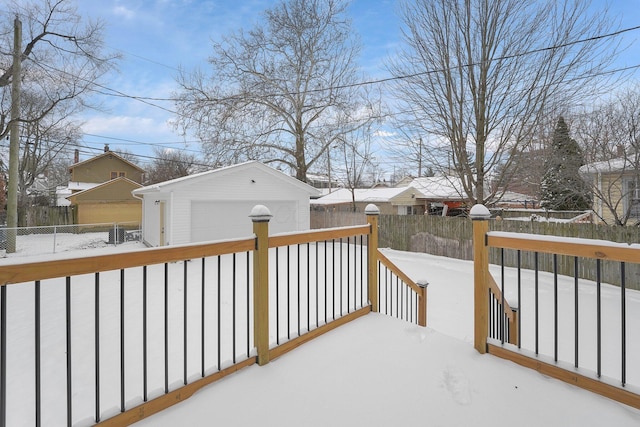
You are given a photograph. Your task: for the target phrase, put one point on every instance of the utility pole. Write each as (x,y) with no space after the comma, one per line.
(420,158)
(14,140)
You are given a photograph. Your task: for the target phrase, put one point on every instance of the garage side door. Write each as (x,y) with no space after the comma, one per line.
(230,219)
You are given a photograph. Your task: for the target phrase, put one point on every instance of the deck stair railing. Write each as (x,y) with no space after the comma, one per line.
(112,339)
(565,332)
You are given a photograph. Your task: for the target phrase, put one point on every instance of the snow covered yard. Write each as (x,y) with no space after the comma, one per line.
(376,370)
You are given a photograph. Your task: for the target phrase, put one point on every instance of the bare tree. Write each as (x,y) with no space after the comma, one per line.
(170,164)
(61,58)
(479,75)
(610,134)
(282,92)
(43,140)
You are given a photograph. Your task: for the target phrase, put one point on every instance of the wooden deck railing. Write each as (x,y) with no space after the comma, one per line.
(130,334)
(563,333)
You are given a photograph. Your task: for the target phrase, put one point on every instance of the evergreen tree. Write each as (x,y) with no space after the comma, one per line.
(562,186)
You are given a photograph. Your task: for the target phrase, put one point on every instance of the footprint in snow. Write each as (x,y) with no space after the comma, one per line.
(457,384)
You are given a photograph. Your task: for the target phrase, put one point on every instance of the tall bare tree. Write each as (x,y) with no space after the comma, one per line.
(170,164)
(281,92)
(480,74)
(62,59)
(610,134)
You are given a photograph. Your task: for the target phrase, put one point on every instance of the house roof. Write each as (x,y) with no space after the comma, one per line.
(113,182)
(440,187)
(614,165)
(361,195)
(106,153)
(221,172)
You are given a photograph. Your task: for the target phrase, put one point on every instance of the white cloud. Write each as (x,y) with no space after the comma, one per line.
(124,12)
(384,134)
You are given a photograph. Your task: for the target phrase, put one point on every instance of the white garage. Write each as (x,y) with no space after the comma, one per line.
(216,204)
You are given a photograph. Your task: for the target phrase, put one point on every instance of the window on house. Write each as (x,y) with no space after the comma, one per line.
(117,174)
(632,199)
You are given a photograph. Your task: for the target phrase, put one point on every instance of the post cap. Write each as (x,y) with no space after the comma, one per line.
(422,283)
(479,212)
(371,209)
(260,213)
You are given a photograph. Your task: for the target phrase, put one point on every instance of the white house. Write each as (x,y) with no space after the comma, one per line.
(216,204)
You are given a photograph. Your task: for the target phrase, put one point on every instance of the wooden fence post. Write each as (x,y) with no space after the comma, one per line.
(422,303)
(260,216)
(373,213)
(480,215)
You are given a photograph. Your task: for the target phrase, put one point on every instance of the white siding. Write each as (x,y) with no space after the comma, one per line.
(217,206)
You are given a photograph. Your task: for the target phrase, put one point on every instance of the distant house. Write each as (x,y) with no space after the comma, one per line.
(108,202)
(390,201)
(101,188)
(440,195)
(216,204)
(617,181)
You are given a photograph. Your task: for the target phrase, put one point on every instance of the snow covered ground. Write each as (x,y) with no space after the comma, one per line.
(381,371)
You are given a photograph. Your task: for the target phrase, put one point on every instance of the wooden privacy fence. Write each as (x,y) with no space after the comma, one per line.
(452,237)
(112,339)
(564,331)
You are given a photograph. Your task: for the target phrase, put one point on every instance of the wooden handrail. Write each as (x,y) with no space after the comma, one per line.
(63,267)
(587,248)
(396,270)
(286,239)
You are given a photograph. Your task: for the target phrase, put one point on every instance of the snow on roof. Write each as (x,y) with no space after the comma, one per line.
(81,186)
(613,165)
(223,170)
(439,187)
(371,195)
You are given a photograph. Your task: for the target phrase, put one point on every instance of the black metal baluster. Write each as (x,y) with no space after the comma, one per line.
(555,307)
(348,274)
(278,296)
(166,327)
(519,298)
(144,335)
(97,343)
(288,293)
(536,306)
(333,272)
(502,327)
(361,271)
(68,331)
(379,287)
(3,356)
(184,323)
(308,291)
(623,320)
(233,310)
(326,296)
(202,315)
(317,288)
(341,275)
(122,350)
(397,296)
(248,308)
(219,314)
(575,298)
(298,277)
(599,315)
(38,372)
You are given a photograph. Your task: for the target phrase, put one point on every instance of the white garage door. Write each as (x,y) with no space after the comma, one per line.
(230,219)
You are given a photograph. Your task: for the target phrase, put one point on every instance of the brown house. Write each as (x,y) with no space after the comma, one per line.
(101,189)
(105,167)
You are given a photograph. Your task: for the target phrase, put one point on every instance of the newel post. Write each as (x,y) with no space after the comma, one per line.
(372,213)
(480,216)
(260,216)
(422,303)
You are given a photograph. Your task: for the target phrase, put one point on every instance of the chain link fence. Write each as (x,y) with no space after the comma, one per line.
(61,238)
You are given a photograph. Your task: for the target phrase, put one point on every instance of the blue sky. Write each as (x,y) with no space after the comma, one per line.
(156,37)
